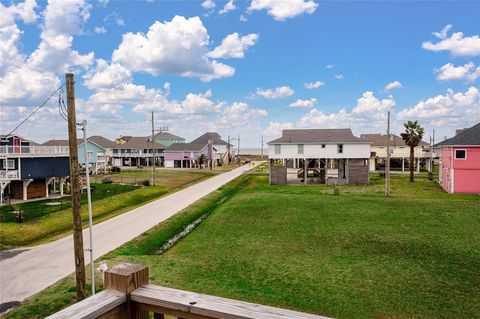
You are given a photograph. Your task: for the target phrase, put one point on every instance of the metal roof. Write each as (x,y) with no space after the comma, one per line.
(317,136)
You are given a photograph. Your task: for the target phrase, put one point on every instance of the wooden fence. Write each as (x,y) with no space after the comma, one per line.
(129,295)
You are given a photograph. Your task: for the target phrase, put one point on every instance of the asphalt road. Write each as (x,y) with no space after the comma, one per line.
(27,271)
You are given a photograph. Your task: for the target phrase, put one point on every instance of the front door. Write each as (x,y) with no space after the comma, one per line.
(17,142)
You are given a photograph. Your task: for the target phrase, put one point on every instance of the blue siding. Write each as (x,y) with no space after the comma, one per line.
(91,147)
(44,167)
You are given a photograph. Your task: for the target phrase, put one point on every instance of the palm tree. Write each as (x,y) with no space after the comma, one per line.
(412,137)
(202,159)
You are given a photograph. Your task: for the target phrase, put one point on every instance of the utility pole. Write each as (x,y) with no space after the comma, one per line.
(89,203)
(75,189)
(228,148)
(153,150)
(387,165)
(261,151)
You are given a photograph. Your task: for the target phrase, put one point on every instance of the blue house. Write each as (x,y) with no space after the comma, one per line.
(96,156)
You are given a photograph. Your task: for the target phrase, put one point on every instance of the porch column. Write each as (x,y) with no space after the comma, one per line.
(25,186)
(294,163)
(48,181)
(418,164)
(403,164)
(60,184)
(181,163)
(305,169)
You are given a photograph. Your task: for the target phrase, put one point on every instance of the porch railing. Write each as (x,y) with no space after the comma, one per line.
(9,175)
(128,295)
(18,151)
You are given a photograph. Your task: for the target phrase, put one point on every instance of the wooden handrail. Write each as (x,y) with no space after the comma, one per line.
(128,295)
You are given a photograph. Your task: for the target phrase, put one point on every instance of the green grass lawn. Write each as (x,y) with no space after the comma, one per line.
(59,223)
(356,255)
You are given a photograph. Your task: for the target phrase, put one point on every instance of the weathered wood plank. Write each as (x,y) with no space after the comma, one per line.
(210,306)
(92,307)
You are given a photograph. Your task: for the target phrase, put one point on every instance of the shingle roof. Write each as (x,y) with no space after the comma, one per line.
(306,136)
(102,141)
(467,137)
(168,136)
(186,147)
(215,137)
(59,142)
(381,140)
(137,142)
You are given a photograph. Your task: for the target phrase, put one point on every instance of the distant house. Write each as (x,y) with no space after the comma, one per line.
(168,139)
(399,153)
(182,155)
(106,144)
(460,162)
(220,147)
(27,170)
(137,151)
(322,156)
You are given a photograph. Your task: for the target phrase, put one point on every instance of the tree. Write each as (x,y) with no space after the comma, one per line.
(412,137)
(202,159)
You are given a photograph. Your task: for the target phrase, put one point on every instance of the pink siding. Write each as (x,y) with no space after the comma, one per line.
(464,172)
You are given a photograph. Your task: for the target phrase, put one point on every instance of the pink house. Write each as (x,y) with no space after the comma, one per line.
(460,162)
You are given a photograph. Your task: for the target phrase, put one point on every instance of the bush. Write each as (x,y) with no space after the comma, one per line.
(107,180)
(146,182)
(116,169)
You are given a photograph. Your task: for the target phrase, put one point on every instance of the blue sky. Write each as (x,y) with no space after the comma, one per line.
(252,83)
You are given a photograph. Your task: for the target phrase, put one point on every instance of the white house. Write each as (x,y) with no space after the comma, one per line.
(318,156)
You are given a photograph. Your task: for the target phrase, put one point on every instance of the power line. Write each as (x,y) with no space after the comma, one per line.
(35,111)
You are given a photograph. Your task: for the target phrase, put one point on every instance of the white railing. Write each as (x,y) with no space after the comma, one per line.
(18,151)
(9,174)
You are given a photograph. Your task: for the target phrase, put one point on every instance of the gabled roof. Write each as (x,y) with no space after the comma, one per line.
(59,142)
(215,137)
(467,137)
(186,147)
(168,136)
(381,140)
(102,141)
(317,136)
(137,142)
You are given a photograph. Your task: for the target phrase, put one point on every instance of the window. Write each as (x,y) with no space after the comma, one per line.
(323,145)
(9,164)
(278,149)
(339,148)
(460,154)
(300,148)
(89,155)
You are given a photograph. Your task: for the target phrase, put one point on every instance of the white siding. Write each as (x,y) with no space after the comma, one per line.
(316,151)
(169,164)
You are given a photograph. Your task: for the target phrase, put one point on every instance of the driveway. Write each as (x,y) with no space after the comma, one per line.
(29,270)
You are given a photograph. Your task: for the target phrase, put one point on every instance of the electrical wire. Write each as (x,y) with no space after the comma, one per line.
(62,109)
(35,111)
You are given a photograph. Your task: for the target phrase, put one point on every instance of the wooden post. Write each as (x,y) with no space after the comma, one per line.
(75,183)
(126,278)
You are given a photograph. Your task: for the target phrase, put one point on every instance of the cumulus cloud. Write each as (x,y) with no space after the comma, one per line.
(24,11)
(234,46)
(339,76)
(100,30)
(208,4)
(468,72)
(282,10)
(177,47)
(313,85)
(457,44)
(277,93)
(304,103)
(229,6)
(276,128)
(107,75)
(392,85)
(450,109)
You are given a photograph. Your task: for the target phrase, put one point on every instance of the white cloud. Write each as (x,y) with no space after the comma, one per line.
(329,66)
(178,47)
(243,18)
(276,128)
(283,9)
(304,103)
(229,6)
(103,3)
(277,93)
(313,85)
(450,109)
(24,11)
(114,18)
(468,72)
(100,30)
(234,46)
(443,34)
(339,76)
(392,85)
(457,44)
(208,4)
(107,76)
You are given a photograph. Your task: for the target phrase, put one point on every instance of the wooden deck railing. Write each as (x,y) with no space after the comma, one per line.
(128,295)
